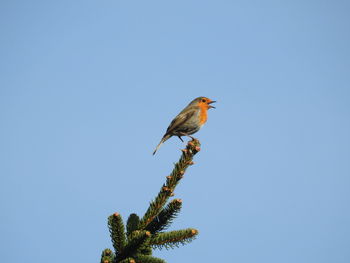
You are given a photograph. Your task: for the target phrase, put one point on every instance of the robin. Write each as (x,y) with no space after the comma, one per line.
(189,120)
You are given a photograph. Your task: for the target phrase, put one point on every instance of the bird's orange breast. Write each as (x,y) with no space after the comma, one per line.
(203,114)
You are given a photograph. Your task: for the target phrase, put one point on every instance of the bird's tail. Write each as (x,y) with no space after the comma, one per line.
(165,137)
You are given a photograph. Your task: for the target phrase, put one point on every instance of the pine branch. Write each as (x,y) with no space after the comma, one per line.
(173,239)
(135,246)
(173,179)
(132,224)
(145,249)
(128,260)
(117,231)
(107,256)
(165,217)
(148,259)
(136,243)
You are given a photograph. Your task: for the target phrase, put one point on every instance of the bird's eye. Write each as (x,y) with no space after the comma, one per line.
(204,100)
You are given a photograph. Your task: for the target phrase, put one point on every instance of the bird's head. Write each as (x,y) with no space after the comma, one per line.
(203,102)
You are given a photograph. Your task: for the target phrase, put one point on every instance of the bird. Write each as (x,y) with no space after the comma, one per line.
(189,120)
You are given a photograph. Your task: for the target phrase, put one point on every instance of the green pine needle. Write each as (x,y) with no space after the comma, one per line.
(117,231)
(132,224)
(148,259)
(165,217)
(173,238)
(107,256)
(127,260)
(136,242)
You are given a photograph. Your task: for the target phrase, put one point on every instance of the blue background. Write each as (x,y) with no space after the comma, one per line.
(88,88)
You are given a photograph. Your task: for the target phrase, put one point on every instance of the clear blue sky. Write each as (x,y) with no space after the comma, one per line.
(87,89)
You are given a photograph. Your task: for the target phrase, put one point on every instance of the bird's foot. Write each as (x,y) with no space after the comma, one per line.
(180,138)
(193,139)
(185,134)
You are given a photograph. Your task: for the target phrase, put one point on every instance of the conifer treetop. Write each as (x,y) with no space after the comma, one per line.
(134,243)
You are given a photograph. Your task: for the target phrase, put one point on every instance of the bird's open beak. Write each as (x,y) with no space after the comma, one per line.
(210,106)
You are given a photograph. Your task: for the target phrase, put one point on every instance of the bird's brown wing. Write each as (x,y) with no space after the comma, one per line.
(180,119)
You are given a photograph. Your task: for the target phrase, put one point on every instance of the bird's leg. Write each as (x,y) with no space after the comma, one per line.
(180,138)
(193,139)
(185,134)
